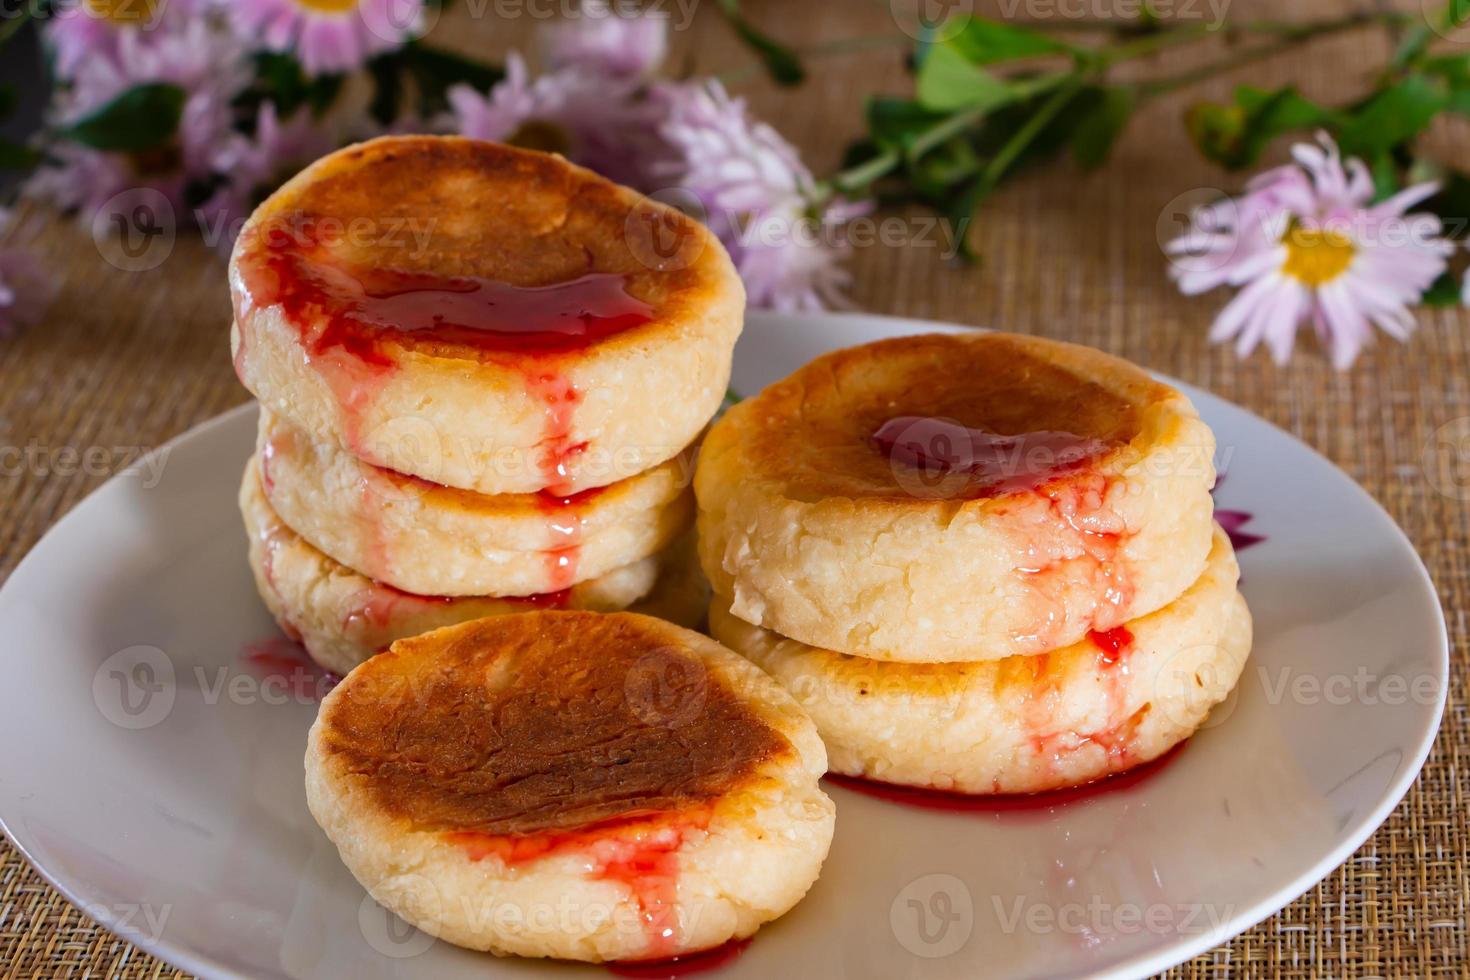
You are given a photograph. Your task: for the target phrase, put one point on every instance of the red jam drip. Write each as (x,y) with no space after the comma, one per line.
(997,464)
(379,604)
(337,307)
(342,314)
(284,661)
(1113,643)
(675,967)
(640,853)
(1004,803)
(564,522)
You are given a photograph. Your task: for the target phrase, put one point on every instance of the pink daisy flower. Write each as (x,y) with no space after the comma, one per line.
(601,40)
(1305,246)
(329,36)
(759,197)
(254,166)
(192,54)
(792,262)
(82,32)
(599,122)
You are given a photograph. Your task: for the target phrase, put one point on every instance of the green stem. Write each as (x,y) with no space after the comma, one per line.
(1239,59)
(1022,137)
(1288,36)
(952,126)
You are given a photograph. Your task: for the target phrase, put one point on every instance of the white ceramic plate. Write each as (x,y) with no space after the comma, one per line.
(156,779)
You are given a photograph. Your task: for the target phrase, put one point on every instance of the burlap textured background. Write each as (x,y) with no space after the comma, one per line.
(127,360)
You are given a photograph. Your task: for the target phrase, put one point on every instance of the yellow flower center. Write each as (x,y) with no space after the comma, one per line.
(123,12)
(1315,257)
(328,6)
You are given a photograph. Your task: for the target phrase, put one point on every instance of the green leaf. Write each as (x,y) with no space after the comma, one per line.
(1235,135)
(280,80)
(1385,173)
(949,81)
(961,214)
(1444,291)
(1452,204)
(141,118)
(940,169)
(1393,116)
(1093,139)
(781,62)
(1416,40)
(895,122)
(435,71)
(986,42)
(16,156)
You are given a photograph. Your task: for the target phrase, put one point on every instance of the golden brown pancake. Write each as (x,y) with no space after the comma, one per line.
(434,540)
(813,432)
(584,786)
(544,721)
(955,497)
(483,317)
(342,617)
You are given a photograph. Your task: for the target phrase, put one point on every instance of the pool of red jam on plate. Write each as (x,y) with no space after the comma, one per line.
(283,661)
(675,967)
(641,853)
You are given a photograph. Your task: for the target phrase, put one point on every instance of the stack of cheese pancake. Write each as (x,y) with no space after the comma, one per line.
(983,563)
(481,372)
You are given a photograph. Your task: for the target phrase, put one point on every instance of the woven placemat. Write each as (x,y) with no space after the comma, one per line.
(129,360)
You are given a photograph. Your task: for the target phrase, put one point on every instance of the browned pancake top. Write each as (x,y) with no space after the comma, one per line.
(451,207)
(813,432)
(543,721)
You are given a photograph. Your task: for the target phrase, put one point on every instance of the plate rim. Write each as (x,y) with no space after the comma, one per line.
(1141,964)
